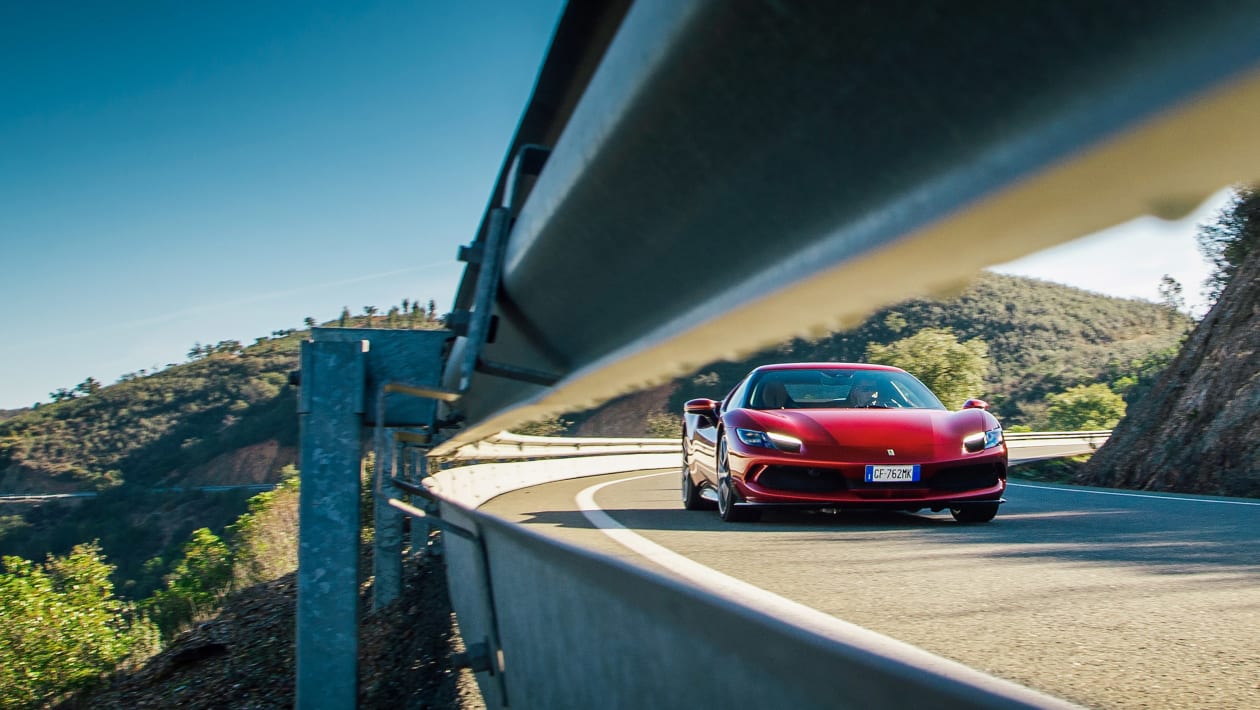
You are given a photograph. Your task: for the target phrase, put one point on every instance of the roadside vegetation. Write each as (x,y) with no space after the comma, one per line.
(1020,344)
(1194,428)
(66,628)
(128,571)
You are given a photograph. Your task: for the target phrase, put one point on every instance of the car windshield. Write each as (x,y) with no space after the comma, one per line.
(840,388)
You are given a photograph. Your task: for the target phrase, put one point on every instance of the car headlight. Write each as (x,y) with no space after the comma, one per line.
(982,440)
(769,440)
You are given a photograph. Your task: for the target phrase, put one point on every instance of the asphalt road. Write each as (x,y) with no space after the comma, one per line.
(1107,599)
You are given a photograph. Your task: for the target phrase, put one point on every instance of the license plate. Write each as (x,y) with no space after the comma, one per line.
(892,474)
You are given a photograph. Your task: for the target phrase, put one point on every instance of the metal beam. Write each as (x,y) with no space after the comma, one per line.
(739,173)
(331,416)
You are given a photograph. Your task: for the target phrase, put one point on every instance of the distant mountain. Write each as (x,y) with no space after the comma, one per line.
(1043,338)
(153,430)
(226,417)
(10,413)
(1199,428)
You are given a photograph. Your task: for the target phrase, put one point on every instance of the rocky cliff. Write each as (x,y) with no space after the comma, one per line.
(1199,428)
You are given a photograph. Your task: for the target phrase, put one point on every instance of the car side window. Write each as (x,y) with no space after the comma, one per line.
(736,395)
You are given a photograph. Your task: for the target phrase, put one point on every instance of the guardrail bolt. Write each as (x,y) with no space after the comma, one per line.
(476,658)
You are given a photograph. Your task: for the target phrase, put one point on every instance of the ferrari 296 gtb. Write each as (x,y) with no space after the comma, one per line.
(840,435)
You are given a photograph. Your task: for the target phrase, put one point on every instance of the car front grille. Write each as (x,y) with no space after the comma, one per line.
(802,480)
(966,478)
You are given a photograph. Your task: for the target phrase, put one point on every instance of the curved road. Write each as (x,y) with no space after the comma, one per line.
(1109,599)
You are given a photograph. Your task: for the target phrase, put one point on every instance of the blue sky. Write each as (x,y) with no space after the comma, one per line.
(182,172)
(173,173)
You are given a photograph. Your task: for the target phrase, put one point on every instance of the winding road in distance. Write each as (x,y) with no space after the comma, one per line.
(1106,598)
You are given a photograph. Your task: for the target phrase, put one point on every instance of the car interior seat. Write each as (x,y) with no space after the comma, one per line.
(774,395)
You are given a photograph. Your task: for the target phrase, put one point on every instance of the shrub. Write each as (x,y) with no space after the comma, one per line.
(1083,408)
(63,627)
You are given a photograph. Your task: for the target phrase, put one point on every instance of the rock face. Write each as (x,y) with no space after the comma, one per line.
(256,463)
(1199,429)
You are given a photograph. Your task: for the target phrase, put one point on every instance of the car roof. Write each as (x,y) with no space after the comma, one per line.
(827,366)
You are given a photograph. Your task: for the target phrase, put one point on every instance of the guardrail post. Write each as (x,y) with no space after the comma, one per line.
(387,551)
(416,468)
(331,416)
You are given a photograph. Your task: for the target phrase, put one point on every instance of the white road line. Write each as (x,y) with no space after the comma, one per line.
(1136,495)
(795,613)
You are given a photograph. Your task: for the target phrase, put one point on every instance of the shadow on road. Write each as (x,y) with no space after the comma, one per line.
(1221,542)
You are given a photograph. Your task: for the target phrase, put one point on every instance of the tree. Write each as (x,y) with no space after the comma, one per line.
(89,386)
(1084,408)
(62,395)
(63,628)
(663,425)
(225,347)
(370,312)
(264,540)
(1170,295)
(554,426)
(431,315)
(1227,242)
(707,379)
(344,322)
(195,586)
(309,322)
(954,371)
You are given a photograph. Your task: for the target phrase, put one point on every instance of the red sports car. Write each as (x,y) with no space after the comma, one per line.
(840,435)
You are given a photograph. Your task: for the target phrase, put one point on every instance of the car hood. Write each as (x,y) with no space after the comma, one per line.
(911,435)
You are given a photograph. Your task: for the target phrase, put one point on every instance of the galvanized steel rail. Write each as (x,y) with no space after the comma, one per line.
(1024,446)
(549,600)
(506,445)
(692,181)
(725,175)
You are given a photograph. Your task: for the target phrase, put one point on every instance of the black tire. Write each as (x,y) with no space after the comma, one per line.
(981,513)
(691,498)
(730,511)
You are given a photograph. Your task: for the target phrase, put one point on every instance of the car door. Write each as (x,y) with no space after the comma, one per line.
(701,442)
(704,434)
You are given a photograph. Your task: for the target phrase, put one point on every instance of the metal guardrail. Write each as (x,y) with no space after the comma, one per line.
(506,445)
(553,625)
(786,168)
(349,382)
(1026,447)
(36,497)
(557,626)
(780,169)
(1029,438)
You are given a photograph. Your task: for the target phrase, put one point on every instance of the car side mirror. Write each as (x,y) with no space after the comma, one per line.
(975,404)
(703,407)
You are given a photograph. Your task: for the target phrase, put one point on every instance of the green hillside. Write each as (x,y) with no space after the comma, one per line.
(227,416)
(142,429)
(1042,339)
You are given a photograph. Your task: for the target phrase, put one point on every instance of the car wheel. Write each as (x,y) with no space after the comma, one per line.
(975,513)
(727,508)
